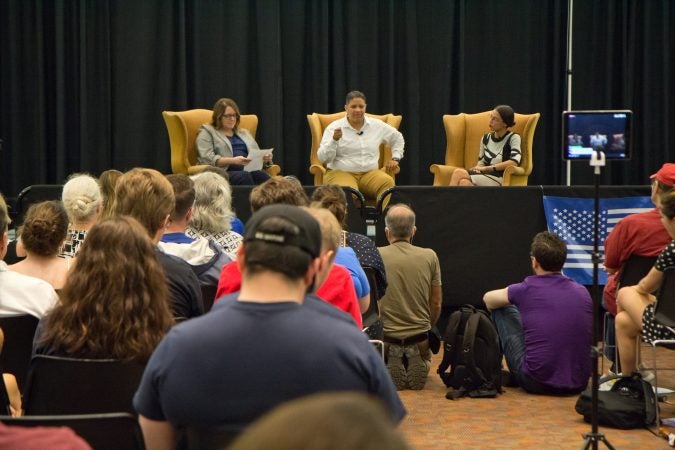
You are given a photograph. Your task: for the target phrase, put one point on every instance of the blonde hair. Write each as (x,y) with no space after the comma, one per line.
(330,228)
(81,197)
(213,203)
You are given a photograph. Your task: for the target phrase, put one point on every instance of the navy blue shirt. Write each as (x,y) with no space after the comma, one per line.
(238,149)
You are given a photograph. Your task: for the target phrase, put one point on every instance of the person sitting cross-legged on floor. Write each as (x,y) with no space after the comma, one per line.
(545,324)
(412,303)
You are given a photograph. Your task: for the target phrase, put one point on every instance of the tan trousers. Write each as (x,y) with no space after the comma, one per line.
(371,184)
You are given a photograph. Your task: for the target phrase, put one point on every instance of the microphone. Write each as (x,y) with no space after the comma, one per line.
(360,133)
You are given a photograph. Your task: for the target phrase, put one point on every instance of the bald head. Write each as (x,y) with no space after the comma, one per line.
(400,221)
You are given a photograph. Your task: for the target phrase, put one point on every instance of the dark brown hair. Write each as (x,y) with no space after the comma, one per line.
(331,197)
(549,250)
(115,303)
(507,114)
(668,204)
(44,228)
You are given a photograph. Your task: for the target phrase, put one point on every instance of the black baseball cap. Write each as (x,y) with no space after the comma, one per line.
(305,235)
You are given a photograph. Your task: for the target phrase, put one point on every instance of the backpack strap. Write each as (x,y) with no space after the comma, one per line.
(449,341)
(468,347)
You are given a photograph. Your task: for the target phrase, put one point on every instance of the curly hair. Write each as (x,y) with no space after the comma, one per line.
(81,197)
(331,197)
(213,203)
(116,302)
(44,228)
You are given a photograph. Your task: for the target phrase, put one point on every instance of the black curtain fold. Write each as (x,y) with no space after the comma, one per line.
(83,83)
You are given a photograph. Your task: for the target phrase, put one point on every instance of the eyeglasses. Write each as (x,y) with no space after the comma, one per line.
(229,116)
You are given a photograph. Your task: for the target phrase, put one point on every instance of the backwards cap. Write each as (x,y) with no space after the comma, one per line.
(306,234)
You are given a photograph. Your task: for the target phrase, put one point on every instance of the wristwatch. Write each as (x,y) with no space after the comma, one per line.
(396,159)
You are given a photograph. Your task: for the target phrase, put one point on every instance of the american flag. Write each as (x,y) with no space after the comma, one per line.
(571,218)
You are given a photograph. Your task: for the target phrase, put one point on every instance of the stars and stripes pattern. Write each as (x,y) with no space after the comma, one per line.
(572,219)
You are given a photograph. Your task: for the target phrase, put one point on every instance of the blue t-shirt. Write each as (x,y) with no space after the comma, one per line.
(237,225)
(347,258)
(242,359)
(557,317)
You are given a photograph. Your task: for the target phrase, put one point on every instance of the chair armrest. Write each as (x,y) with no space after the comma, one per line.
(273,170)
(442,174)
(318,171)
(510,172)
(193,170)
(392,172)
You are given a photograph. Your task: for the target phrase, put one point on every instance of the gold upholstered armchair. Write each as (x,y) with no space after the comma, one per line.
(183,127)
(464,132)
(319,122)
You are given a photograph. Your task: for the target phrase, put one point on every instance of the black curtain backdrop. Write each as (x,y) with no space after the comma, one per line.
(83,83)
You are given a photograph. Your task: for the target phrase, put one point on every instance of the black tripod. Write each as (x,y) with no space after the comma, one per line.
(593,438)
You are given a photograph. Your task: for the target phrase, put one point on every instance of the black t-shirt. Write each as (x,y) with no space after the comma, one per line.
(186,295)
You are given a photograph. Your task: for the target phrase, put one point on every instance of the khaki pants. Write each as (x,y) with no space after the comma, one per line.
(371,184)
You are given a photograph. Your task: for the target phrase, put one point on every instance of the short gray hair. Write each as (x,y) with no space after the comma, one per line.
(213,203)
(400,220)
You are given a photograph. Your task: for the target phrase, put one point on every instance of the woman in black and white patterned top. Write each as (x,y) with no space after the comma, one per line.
(635,304)
(499,149)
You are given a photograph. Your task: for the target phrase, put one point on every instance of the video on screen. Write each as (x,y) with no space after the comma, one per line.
(585,132)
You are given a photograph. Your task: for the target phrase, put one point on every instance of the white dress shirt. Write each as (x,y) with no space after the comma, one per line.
(358,151)
(21,294)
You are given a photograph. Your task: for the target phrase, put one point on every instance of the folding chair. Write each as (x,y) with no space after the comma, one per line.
(58,385)
(114,431)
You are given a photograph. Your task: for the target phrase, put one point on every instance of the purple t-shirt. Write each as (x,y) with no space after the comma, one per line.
(557,317)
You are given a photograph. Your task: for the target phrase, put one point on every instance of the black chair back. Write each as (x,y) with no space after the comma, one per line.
(16,353)
(114,431)
(35,194)
(635,269)
(664,310)
(58,385)
(372,323)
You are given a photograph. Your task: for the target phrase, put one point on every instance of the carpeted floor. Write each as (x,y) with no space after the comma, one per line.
(514,420)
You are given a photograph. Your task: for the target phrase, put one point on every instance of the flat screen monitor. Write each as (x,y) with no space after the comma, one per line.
(584,132)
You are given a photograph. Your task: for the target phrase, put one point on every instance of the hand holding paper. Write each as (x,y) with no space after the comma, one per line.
(256,157)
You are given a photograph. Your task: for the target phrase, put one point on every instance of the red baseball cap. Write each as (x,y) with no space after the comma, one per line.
(666,174)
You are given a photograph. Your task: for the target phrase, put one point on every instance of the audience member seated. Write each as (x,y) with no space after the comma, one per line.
(185,385)
(21,294)
(545,324)
(498,150)
(639,234)
(338,289)
(333,198)
(82,200)
(223,144)
(42,233)
(107,182)
(412,303)
(332,421)
(635,304)
(115,303)
(147,196)
(212,213)
(204,256)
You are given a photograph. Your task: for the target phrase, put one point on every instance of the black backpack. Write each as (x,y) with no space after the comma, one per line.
(630,403)
(471,351)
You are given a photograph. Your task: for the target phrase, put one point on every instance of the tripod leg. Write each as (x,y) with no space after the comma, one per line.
(592,440)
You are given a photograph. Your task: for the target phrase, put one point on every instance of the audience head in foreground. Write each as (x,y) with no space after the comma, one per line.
(331,421)
(83,201)
(42,234)
(184,385)
(147,196)
(635,304)
(21,294)
(115,303)
(545,323)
